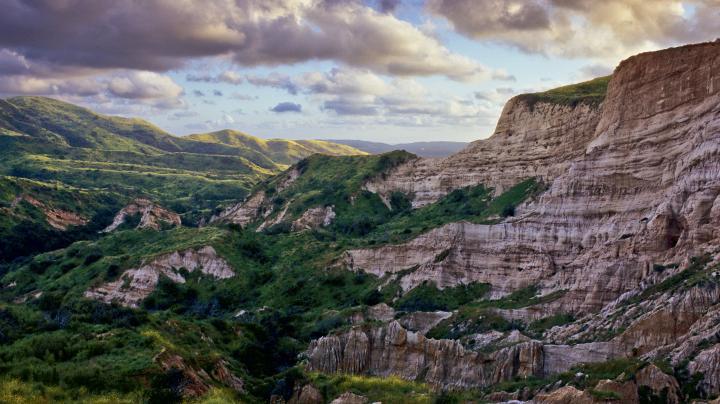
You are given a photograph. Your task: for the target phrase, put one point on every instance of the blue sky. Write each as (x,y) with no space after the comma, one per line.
(382,70)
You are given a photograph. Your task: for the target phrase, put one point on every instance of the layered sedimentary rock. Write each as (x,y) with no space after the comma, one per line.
(633,194)
(633,183)
(256,205)
(314,218)
(392,350)
(134,285)
(153,216)
(57,218)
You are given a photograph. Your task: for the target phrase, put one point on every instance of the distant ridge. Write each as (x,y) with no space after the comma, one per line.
(422,149)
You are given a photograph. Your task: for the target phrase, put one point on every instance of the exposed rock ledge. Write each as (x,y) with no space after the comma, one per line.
(57,218)
(153,216)
(134,285)
(392,350)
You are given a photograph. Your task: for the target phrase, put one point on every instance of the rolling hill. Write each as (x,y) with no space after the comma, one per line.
(422,149)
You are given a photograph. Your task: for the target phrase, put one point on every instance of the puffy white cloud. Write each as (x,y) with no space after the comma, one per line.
(144,85)
(159,35)
(607,30)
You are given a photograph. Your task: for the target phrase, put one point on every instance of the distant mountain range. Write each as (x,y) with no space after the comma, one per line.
(422,149)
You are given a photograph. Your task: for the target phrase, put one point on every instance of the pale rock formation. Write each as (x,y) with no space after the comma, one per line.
(153,216)
(423,321)
(634,183)
(308,394)
(56,218)
(257,205)
(652,377)
(392,350)
(314,218)
(564,395)
(707,362)
(134,285)
(350,398)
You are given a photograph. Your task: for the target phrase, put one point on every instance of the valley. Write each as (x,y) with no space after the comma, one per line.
(573,256)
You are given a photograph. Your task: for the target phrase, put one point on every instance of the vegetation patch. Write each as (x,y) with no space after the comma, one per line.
(590,92)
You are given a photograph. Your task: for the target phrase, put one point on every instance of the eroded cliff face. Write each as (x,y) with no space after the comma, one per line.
(538,140)
(392,350)
(632,183)
(633,197)
(134,285)
(152,216)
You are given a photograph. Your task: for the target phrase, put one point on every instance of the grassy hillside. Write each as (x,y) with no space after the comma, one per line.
(279,150)
(46,140)
(422,149)
(590,92)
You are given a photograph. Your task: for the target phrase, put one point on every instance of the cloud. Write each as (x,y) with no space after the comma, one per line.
(160,35)
(274,80)
(243,97)
(144,85)
(147,88)
(595,70)
(286,107)
(389,6)
(228,76)
(217,93)
(604,30)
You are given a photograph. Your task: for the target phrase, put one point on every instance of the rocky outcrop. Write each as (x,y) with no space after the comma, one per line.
(707,363)
(314,218)
(633,183)
(56,218)
(392,350)
(564,395)
(257,205)
(197,382)
(307,394)
(629,210)
(423,321)
(134,285)
(539,140)
(350,398)
(152,216)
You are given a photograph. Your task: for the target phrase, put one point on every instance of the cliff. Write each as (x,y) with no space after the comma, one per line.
(633,196)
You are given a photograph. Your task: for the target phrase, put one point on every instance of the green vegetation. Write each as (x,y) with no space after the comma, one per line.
(538,327)
(480,316)
(427,297)
(49,140)
(695,273)
(589,92)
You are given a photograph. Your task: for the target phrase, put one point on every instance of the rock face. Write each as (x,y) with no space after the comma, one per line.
(633,195)
(134,285)
(633,183)
(153,216)
(392,350)
(57,218)
(314,218)
(257,205)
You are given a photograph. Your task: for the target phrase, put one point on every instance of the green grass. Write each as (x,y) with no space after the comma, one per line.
(590,92)
(427,297)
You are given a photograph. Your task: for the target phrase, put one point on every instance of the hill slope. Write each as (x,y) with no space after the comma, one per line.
(574,255)
(422,149)
(279,150)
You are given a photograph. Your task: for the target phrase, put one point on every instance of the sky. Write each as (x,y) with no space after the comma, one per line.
(382,70)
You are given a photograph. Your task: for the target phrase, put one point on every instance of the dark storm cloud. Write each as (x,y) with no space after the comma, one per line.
(286,107)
